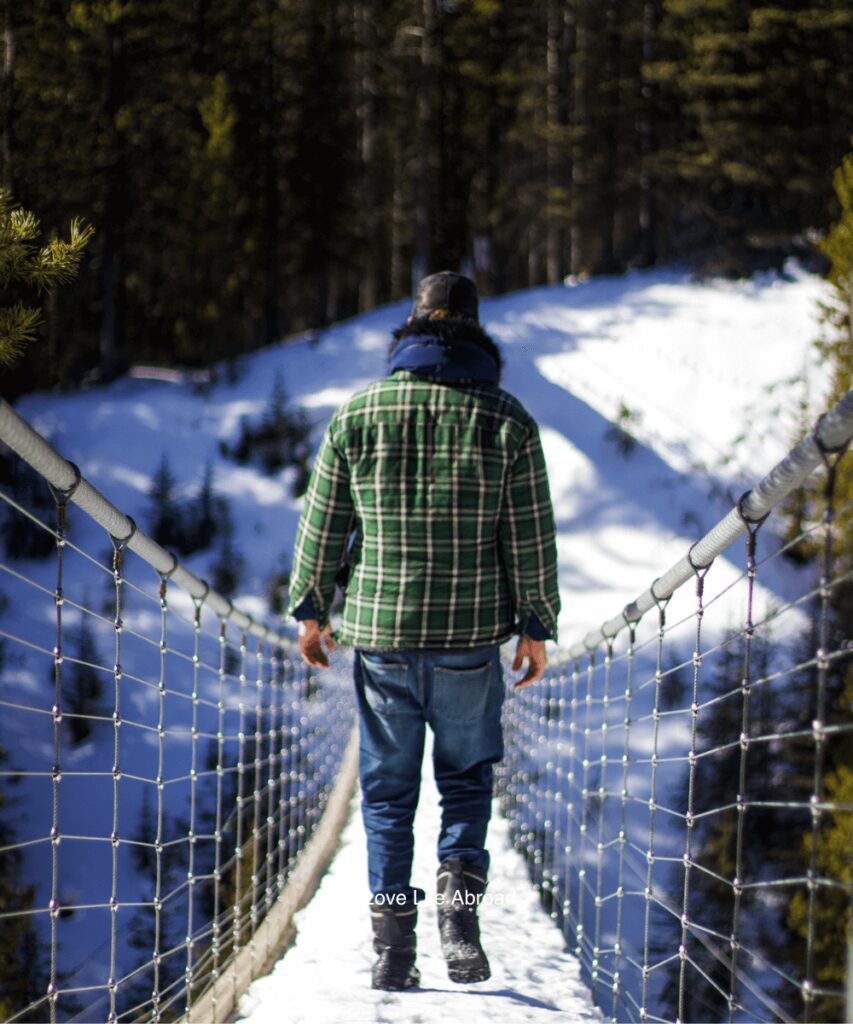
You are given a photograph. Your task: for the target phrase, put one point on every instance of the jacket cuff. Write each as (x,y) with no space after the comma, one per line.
(306,610)
(534,628)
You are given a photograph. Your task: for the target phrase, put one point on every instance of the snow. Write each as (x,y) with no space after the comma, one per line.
(716,373)
(719,376)
(325,977)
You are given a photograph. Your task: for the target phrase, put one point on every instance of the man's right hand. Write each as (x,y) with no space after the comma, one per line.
(537,660)
(310,646)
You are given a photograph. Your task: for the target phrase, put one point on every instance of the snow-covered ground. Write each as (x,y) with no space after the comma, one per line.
(325,977)
(713,375)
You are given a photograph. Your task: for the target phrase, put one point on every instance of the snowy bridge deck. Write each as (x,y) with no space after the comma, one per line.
(324,978)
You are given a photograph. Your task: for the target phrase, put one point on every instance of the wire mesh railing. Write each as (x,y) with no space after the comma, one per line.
(682,789)
(164,760)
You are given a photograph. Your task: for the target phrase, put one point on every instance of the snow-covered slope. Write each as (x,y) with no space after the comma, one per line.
(712,374)
(715,374)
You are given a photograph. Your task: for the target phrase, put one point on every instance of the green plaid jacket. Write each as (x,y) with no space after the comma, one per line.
(447,489)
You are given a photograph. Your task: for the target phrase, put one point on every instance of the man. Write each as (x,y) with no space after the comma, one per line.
(438,475)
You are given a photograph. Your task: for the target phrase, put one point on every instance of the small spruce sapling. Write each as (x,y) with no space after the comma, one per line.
(620,430)
(22,537)
(228,568)
(166,517)
(281,438)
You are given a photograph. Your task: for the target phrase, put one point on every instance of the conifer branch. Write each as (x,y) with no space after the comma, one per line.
(24,263)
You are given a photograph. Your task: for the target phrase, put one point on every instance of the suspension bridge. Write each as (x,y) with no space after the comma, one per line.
(672,785)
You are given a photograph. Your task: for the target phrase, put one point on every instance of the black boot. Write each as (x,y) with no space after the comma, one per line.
(460,889)
(395,944)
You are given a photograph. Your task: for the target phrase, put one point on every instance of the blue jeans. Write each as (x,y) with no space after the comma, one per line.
(460,695)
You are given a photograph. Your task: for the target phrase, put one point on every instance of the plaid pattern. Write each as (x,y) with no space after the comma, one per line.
(448,490)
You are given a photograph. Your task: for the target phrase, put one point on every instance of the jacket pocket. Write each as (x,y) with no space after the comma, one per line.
(462,694)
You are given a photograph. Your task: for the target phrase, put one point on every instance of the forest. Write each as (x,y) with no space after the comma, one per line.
(230,173)
(255,168)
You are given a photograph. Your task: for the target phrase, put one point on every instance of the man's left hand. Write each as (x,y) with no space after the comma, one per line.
(310,646)
(537,660)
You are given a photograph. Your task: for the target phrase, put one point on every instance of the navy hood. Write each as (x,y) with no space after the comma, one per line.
(446,349)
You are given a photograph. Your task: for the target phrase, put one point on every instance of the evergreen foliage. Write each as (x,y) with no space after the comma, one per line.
(22,537)
(777,836)
(837,314)
(295,162)
(767,852)
(142,929)
(620,433)
(788,836)
(760,119)
(166,522)
(229,565)
(30,266)
(207,520)
(24,971)
(281,438)
(834,836)
(82,683)
(185,526)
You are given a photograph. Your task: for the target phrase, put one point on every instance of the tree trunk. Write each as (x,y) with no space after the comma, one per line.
(7,143)
(330,313)
(426,93)
(272,326)
(111,341)
(365,40)
(553,143)
(648,226)
(579,124)
(608,262)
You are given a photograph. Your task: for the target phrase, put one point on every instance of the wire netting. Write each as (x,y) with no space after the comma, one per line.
(683,794)
(161,773)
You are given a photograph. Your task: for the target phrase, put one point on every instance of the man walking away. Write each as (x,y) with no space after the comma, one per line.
(432,484)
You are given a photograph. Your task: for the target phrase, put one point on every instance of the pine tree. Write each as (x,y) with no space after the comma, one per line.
(205,516)
(82,683)
(832,916)
(838,312)
(24,969)
(229,565)
(23,537)
(30,265)
(142,928)
(761,92)
(281,438)
(166,516)
(715,833)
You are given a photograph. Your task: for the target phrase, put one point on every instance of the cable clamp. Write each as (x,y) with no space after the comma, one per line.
(700,570)
(751,524)
(822,446)
(609,637)
(608,640)
(168,573)
(199,601)
(120,543)
(660,602)
(62,495)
